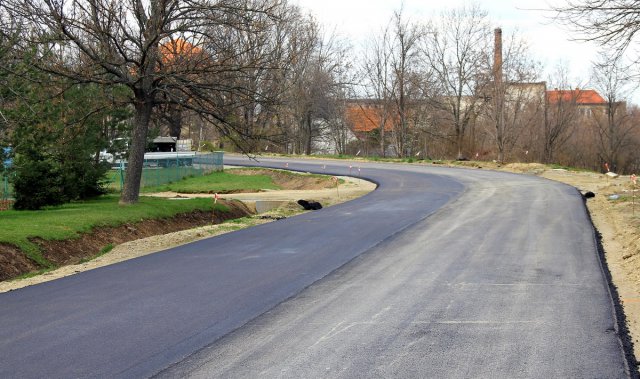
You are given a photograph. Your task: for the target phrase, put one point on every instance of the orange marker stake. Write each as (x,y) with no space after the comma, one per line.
(213,210)
(634,181)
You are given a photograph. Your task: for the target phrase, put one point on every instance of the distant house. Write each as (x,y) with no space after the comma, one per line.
(587,100)
(367,116)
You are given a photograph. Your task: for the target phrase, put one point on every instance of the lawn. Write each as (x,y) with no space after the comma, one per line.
(222,182)
(67,221)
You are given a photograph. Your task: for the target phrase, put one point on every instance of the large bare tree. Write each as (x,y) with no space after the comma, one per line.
(406,36)
(455,51)
(120,43)
(516,101)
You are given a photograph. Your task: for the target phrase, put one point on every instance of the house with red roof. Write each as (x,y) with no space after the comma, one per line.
(586,100)
(367,116)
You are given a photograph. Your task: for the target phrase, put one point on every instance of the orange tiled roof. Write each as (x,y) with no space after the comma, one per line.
(176,48)
(366,118)
(581,96)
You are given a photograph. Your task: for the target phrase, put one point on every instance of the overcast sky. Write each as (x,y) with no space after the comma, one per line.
(550,43)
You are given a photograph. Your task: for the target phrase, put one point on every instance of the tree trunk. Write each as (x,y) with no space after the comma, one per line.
(459,142)
(309,139)
(131,190)
(175,121)
(382,144)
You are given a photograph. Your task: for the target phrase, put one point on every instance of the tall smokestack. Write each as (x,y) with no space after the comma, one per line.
(497,56)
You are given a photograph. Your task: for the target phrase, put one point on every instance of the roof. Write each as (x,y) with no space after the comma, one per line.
(176,48)
(366,118)
(165,140)
(580,96)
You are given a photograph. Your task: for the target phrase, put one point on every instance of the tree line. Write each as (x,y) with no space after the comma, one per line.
(262,75)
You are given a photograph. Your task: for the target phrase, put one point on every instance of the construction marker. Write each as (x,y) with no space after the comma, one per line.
(324,166)
(606,166)
(286,165)
(350,167)
(633,194)
(335,179)
(213,210)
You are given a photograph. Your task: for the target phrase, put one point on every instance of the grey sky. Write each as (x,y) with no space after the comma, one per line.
(550,43)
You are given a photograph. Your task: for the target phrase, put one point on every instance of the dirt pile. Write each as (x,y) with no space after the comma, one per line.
(291,181)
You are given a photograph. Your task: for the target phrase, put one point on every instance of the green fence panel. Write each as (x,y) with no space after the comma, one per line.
(169,168)
(6,189)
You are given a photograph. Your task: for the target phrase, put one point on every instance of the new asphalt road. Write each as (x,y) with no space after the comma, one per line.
(438,273)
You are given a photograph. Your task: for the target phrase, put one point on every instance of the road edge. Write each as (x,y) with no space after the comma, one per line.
(619,317)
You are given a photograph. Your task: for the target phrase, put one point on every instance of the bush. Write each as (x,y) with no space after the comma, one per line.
(37,183)
(207,146)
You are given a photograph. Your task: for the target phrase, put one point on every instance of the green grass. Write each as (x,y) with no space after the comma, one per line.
(69,220)
(217,182)
(102,252)
(555,166)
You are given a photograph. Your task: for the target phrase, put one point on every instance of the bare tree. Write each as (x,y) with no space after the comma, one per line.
(610,23)
(611,125)
(516,100)
(343,77)
(316,86)
(404,57)
(454,51)
(376,69)
(120,43)
(561,114)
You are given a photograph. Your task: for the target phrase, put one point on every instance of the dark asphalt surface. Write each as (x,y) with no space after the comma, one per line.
(502,282)
(135,318)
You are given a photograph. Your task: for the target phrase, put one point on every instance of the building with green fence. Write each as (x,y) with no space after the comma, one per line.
(163,168)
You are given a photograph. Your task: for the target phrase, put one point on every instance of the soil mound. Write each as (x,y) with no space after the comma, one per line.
(292,181)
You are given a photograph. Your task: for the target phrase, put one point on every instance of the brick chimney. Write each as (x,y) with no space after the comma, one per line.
(497,56)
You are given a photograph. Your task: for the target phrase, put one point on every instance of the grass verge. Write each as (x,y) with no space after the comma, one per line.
(221,182)
(69,220)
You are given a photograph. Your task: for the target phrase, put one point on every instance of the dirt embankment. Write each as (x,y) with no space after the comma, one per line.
(291,181)
(14,262)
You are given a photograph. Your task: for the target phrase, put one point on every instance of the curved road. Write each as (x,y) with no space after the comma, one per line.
(438,273)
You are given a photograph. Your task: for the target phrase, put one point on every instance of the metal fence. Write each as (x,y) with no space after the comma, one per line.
(158,169)
(6,193)
(163,168)
(6,190)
